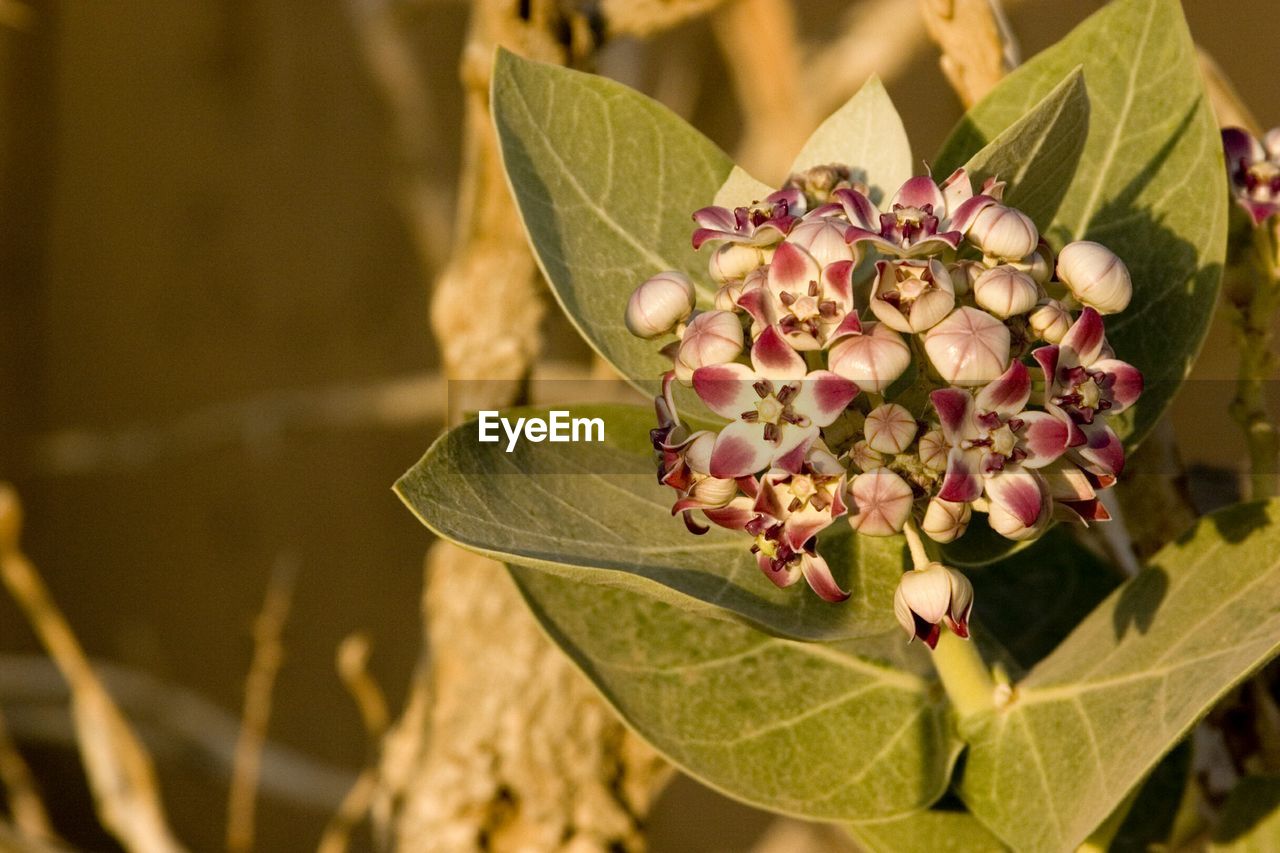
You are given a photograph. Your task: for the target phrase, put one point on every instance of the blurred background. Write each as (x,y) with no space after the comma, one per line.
(215,358)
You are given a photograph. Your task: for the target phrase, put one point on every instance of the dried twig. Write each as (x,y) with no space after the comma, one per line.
(120,772)
(646,17)
(30,817)
(268,654)
(977,47)
(353,659)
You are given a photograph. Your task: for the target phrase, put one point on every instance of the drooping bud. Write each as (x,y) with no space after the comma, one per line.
(657,305)
(1004,232)
(1005,292)
(946,521)
(933,451)
(873,359)
(930,596)
(1050,320)
(912,296)
(889,428)
(822,238)
(969,347)
(879,502)
(714,337)
(1095,276)
(733,261)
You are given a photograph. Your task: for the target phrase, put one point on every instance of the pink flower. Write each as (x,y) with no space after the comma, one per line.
(923,219)
(1253,167)
(761,224)
(807,302)
(777,407)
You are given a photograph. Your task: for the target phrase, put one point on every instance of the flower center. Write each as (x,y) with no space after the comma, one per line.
(769,410)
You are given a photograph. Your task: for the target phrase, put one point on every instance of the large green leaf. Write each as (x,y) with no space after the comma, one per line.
(1037,154)
(606,180)
(867,135)
(1149,183)
(594,513)
(856,730)
(934,830)
(1096,715)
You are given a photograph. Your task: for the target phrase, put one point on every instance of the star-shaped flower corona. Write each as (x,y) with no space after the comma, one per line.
(879,366)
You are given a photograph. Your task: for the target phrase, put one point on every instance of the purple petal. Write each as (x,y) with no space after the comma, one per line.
(962,217)
(818,574)
(954,407)
(1019,492)
(792,446)
(1102,453)
(727,389)
(740,449)
(792,268)
(1047,358)
(1044,438)
(767,501)
(1127,384)
(774,358)
(803,525)
(850,325)
(918,192)
(837,281)
(1085,337)
(961,483)
(823,396)
(861,212)
(1008,393)
(1241,149)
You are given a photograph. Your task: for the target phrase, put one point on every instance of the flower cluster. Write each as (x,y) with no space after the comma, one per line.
(1253,167)
(892,367)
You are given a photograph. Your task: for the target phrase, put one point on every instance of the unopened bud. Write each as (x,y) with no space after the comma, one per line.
(714,337)
(1095,276)
(968,348)
(933,451)
(1005,292)
(932,595)
(879,502)
(889,428)
(1003,232)
(873,359)
(946,521)
(964,274)
(1050,320)
(733,261)
(823,239)
(656,306)
(1038,264)
(864,458)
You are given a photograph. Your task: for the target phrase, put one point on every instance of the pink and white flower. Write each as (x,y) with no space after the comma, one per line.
(929,596)
(922,219)
(777,407)
(1253,167)
(760,224)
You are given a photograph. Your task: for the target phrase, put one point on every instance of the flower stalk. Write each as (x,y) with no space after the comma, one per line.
(1256,300)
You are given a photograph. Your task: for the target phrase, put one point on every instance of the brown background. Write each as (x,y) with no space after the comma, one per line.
(204,266)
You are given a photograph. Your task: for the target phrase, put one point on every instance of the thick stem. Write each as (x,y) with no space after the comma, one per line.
(965,675)
(1256,303)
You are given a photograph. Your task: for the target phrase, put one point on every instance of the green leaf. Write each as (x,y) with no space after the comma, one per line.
(856,730)
(935,830)
(1251,818)
(1149,184)
(1037,154)
(594,513)
(1095,716)
(606,180)
(867,135)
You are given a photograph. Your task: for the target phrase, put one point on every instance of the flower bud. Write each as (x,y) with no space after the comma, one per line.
(1038,264)
(968,348)
(933,451)
(822,238)
(733,261)
(946,521)
(911,296)
(1095,276)
(864,458)
(714,492)
(1005,292)
(932,595)
(873,359)
(656,306)
(714,337)
(1004,232)
(964,274)
(727,295)
(1050,320)
(879,502)
(889,428)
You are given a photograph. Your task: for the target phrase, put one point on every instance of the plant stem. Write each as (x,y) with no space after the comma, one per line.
(915,543)
(1256,304)
(964,675)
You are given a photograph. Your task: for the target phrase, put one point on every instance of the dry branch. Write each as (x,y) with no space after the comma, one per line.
(30,818)
(977,47)
(268,654)
(121,776)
